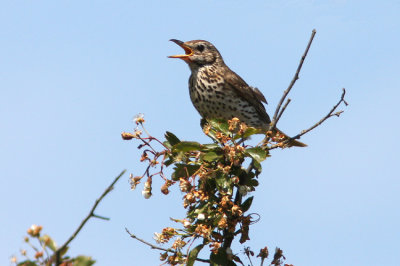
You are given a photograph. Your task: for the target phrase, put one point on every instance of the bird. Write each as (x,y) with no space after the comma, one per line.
(217,92)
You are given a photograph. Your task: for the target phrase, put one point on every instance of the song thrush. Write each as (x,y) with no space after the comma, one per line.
(218,92)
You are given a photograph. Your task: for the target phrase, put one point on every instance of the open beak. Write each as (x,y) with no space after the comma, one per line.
(188,50)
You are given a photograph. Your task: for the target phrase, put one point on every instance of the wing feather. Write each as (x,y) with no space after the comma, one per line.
(252,95)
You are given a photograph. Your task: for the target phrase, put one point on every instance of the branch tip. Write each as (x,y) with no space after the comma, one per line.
(278,111)
(84,221)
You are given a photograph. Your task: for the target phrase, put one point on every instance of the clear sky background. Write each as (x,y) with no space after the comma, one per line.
(74,73)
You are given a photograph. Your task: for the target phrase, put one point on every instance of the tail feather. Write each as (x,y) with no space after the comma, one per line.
(279,136)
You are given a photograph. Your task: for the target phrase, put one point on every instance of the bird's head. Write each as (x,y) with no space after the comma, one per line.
(198,53)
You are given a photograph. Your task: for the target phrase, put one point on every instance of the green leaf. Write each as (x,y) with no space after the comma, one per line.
(211,156)
(247,133)
(257,165)
(168,162)
(193,255)
(223,182)
(253,183)
(186,146)
(46,239)
(212,135)
(246,204)
(171,138)
(220,125)
(167,144)
(184,170)
(257,153)
(211,146)
(63,251)
(83,261)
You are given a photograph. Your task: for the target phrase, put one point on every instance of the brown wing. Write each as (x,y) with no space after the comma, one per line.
(250,94)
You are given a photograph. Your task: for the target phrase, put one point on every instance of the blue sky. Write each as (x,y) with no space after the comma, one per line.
(73,75)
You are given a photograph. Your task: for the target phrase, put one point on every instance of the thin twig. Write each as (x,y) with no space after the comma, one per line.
(90,215)
(329,115)
(283,110)
(141,123)
(43,245)
(296,77)
(101,217)
(160,248)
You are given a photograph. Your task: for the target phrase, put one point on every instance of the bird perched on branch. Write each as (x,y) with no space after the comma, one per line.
(218,92)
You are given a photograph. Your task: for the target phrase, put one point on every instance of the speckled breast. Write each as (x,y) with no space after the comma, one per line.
(213,98)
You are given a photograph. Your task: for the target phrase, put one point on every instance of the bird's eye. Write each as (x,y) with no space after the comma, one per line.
(200,47)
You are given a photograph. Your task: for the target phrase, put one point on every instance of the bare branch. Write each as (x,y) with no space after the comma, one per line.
(329,115)
(90,215)
(283,110)
(296,77)
(159,248)
(149,244)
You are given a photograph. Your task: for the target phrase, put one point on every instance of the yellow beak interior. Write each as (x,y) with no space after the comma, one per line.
(188,50)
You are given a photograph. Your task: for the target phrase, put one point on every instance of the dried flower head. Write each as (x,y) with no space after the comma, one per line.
(203,230)
(159,238)
(263,253)
(136,134)
(206,129)
(176,259)
(13,259)
(233,123)
(39,254)
(214,247)
(139,119)
(163,256)
(236,210)
(277,257)
(186,223)
(144,156)
(127,136)
(134,181)
(146,194)
(178,244)
(184,185)
(164,188)
(242,128)
(226,202)
(166,234)
(34,230)
(223,223)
